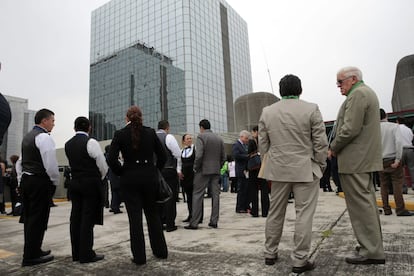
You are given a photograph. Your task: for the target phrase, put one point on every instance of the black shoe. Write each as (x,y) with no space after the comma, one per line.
(36,261)
(357,248)
(241,211)
(187,219)
(358,259)
(405,213)
(138,262)
(52,205)
(190,227)
(387,212)
(300,269)
(10,214)
(270,261)
(118,212)
(45,253)
(94,259)
(212,225)
(171,229)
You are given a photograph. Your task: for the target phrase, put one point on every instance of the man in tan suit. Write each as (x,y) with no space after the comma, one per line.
(292,134)
(358,147)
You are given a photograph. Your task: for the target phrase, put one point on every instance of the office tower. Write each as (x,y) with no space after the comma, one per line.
(22,122)
(178,60)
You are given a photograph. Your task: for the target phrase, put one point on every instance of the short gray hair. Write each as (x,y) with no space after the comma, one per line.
(244,133)
(351,71)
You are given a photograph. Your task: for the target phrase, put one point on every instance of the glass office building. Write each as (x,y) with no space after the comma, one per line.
(181,60)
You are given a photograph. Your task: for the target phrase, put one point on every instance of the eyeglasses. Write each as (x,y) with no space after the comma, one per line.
(339,82)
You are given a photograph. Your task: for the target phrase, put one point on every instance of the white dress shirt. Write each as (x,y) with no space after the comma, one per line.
(47,150)
(95,152)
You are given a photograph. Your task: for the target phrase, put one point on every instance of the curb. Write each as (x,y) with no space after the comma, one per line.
(409,205)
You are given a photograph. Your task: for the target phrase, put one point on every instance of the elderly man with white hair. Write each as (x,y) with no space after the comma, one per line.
(357,145)
(241,156)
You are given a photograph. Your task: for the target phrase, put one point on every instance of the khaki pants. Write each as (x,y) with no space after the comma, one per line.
(306,197)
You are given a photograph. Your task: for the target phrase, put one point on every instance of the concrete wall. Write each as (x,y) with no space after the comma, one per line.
(403,94)
(248,109)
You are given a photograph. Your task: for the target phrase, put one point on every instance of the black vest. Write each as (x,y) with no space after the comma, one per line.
(81,164)
(31,158)
(171,160)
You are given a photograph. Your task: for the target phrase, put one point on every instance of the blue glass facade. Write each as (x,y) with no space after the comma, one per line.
(207,44)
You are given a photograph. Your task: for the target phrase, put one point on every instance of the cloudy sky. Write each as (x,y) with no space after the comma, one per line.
(45,44)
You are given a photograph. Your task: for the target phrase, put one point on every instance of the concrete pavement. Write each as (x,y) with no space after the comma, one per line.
(235,248)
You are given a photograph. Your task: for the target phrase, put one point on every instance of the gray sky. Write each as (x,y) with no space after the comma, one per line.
(45,45)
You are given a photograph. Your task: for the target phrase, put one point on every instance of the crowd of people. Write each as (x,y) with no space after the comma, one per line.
(287,153)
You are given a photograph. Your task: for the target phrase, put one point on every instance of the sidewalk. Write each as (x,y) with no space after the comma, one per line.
(235,248)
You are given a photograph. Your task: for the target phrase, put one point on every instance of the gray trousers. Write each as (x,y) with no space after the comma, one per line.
(200,184)
(363,211)
(306,198)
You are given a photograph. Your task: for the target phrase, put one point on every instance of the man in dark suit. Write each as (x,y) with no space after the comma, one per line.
(241,156)
(88,167)
(209,159)
(171,172)
(38,169)
(5,116)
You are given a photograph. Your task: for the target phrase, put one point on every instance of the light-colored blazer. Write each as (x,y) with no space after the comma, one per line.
(292,134)
(357,143)
(210,155)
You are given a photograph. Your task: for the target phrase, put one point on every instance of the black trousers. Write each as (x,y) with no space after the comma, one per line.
(116,198)
(187,185)
(170,207)
(35,191)
(242,203)
(86,203)
(139,194)
(256,184)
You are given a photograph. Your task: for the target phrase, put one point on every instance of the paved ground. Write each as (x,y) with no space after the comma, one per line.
(235,248)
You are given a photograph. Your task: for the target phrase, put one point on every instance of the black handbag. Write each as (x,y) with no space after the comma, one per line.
(254,163)
(164,192)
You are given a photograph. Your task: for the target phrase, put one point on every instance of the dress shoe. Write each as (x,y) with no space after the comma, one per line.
(190,227)
(94,259)
(45,253)
(187,219)
(270,261)
(138,262)
(358,259)
(405,213)
(241,211)
(212,225)
(118,212)
(387,212)
(300,269)
(36,261)
(171,229)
